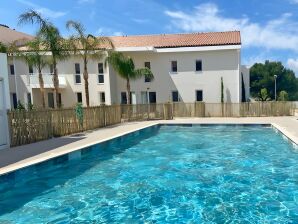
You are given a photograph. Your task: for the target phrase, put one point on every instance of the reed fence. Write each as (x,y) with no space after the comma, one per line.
(36,125)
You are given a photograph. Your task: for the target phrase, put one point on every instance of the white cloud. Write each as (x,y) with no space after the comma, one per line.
(280,33)
(250,61)
(104,31)
(294,1)
(42,10)
(293,64)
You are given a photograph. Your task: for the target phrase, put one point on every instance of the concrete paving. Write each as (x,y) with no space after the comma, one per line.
(26,155)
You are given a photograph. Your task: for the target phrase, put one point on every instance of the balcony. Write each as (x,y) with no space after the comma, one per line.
(33,81)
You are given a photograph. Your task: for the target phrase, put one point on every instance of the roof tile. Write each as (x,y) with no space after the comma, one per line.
(178,40)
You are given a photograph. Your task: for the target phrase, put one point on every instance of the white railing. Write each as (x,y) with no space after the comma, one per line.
(33,80)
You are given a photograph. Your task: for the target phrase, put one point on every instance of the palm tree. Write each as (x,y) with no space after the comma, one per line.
(35,57)
(86,46)
(3,48)
(51,41)
(125,67)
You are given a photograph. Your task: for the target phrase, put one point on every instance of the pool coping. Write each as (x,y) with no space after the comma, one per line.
(51,155)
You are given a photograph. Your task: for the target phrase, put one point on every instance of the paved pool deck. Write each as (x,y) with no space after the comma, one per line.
(26,155)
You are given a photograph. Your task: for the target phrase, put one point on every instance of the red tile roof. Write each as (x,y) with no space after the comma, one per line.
(178,40)
(8,35)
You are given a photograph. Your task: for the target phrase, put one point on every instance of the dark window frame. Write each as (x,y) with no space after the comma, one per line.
(100,68)
(79,97)
(123,98)
(51,69)
(102,97)
(51,103)
(30,69)
(201,95)
(147,64)
(152,97)
(199,65)
(14,100)
(100,76)
(174,66)
(60,98)
(77,68)
(78,79)
(29,98)
(173,97)
(11,70)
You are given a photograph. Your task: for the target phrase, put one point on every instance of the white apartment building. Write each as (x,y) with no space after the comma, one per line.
(186,67)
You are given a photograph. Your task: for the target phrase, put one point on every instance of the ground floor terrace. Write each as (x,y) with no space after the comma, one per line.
(22,156)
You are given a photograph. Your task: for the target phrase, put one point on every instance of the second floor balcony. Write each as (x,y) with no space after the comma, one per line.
(33,80)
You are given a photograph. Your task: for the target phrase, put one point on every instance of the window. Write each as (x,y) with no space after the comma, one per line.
(147,65)
(79,97)
(77,68)
(175,96)
(100,73)
(51,100)
(198,65)
(123,98)
(60,99)
(152,97)
(29,102)
(30,69)
(14,100)
(144,97)
(174,67)
(51,69)
(11,68)
(199,95)
(78,73)
(100,68)
(102,97)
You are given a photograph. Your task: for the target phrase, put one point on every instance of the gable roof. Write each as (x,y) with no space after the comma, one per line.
(178,40)
(8,35)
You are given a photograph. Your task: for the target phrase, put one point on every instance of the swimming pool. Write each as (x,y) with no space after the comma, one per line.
(162,174)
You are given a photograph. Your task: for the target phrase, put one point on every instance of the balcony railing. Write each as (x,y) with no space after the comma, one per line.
(33,80)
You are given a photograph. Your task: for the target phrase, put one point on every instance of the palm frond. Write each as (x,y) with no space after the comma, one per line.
(143,72)
(33,17)
(3,48)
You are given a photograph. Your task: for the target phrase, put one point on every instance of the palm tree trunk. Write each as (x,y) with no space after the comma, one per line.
(86,83)
(56,83)
(41,85)
(128,91)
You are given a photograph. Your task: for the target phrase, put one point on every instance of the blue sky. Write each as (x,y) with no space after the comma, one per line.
(269,28)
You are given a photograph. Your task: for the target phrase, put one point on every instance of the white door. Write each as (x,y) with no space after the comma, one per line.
(3,124)
(133,98)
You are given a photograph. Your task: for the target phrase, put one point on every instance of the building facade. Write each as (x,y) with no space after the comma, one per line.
(4,101)
(186,67)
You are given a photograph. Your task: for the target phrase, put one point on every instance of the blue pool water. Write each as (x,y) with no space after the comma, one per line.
(166,174)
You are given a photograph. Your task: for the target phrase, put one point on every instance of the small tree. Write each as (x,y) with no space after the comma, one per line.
(35,57)
(263,95)
(243,95)
(3,48)
(52,41)
(125,67)
(221,90)
(283,96)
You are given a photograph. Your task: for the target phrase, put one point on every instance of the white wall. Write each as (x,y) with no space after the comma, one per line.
(4,102)
(216,64)
(19,82)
